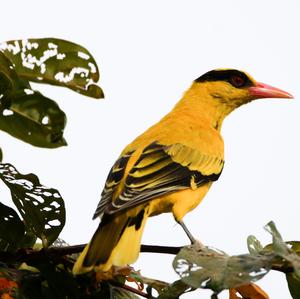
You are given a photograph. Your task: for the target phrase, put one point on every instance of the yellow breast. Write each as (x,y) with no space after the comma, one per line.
(179,203)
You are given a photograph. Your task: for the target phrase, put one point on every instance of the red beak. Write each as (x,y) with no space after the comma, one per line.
(262,90)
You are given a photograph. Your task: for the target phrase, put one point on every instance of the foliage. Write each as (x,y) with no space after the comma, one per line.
(33,270)
(204,267)
(47,273)
(25,113)
(41,208)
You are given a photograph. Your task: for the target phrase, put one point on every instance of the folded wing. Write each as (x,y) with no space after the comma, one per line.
(160,170)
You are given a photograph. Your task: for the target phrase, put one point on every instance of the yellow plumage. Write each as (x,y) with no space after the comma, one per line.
(169,168)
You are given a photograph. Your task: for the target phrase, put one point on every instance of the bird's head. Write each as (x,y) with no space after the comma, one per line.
(235,88)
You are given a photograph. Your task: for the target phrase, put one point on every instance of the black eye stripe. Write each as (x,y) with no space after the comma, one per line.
(226,75)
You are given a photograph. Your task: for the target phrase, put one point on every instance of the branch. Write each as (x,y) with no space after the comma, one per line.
(161,249)
(133,290)
(57,253)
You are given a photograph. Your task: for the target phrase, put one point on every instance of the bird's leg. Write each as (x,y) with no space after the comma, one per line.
(188,233)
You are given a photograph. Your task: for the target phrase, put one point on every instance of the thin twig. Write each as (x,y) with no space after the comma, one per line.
(135,291)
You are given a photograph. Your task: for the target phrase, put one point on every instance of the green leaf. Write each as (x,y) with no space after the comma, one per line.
(27,114)
(9,80)
(254,246)
(282,249)
(202,267)
(278,244)
(12,228)
(174,290)
(294,285)
(55,61)
(28,240)
(34,119)
(294,246)
(42,208)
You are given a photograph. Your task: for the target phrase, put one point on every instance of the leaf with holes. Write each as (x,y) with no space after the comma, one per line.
(42,208)
(9,80)
(202,267)
(55,61)
(35,119)
(12,229)
(254,246)
(27,114)
(284,250)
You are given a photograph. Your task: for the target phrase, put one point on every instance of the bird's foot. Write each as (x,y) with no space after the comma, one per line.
(113,272)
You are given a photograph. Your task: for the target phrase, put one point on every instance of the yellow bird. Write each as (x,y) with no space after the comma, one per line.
(168,168)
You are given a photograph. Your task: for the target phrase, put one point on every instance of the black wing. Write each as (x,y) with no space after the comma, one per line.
(155,174)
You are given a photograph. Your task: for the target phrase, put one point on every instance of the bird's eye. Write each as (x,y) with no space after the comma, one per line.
(237,81)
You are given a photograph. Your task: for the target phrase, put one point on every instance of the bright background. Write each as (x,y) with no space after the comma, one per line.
(148,53)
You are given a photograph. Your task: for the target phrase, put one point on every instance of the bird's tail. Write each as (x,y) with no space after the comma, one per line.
(116,242)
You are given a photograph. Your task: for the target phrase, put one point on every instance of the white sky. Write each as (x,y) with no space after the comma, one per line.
(148,53)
